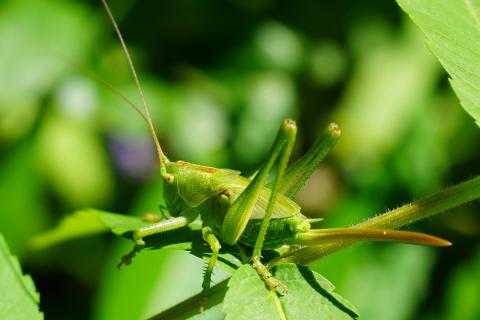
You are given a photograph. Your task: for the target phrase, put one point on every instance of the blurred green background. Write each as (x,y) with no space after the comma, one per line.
(219,77)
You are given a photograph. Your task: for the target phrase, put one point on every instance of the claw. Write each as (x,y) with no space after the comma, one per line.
(127,259)
(275,285)
(280,287)
(202,302)
(270,281)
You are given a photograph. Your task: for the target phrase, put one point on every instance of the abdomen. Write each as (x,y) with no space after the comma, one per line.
(280,231)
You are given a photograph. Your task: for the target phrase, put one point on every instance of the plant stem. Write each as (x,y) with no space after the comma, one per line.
(436,203)
(192,305)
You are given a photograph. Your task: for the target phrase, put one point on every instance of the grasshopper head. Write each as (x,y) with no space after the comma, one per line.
(193,184)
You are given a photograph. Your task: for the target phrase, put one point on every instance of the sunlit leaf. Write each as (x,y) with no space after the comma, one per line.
(85,223)
(452,31)
(19,297)
(310,296)
(89,222)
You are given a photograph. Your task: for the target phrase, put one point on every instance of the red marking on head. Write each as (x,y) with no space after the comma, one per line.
(208,169)
(195,166)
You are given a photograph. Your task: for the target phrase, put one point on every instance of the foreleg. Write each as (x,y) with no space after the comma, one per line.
(215,246)
(159,227)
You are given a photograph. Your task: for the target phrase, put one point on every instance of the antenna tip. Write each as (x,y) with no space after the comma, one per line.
(334,129)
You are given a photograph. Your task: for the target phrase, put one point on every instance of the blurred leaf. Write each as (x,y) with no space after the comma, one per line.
(383,273)
(74,161)
(369,32)
(309,296)
(198,114)
(19,297)
(278,47)
(452,31)
(118,117)
(77,98)
(23,211)
(463,293)
(89,222)
(33,33)
(327,63)
(388,87)
(85,223)
(270,97)
(429,150)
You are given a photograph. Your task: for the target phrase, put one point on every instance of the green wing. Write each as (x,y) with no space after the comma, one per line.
(283,208)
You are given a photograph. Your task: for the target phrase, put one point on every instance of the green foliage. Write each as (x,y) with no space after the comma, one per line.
(247,297)
(219,80)
(21,184)
(65,146)
(389,102)
(90,222)
(309,295)
(452,31)
(31,33)
(245,283)
(19,299)
(375,272)
(460,301)
(87,222)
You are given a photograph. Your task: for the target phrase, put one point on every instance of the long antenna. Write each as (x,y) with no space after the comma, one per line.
(161,155)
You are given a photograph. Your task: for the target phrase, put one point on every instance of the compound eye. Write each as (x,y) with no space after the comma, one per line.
(225,195)
(169,178)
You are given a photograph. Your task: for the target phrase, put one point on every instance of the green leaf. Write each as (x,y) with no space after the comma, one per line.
(247,297)
(73,160)
(90,222)
(19,297)
(189,309)
(32,34)
(85,223)
(310,296)
(452,31)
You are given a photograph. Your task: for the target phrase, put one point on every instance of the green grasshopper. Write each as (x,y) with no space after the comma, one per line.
(241,211)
